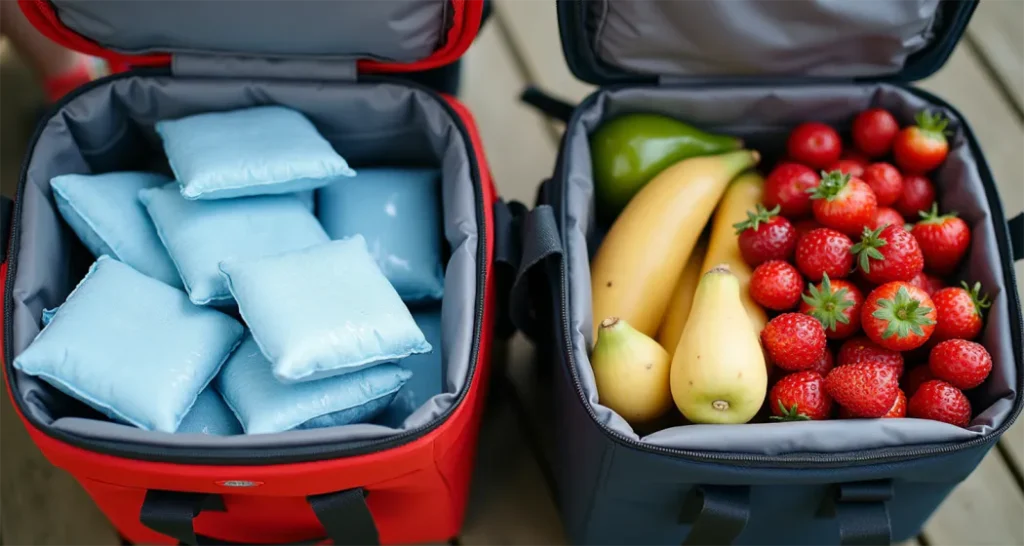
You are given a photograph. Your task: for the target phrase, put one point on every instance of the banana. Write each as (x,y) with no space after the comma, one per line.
(682,299)
(640,260)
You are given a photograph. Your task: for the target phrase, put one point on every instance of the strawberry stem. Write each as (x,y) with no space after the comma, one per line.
(832,183)
(827,306)
(756,218)
(790,414)
(933,123)
(903,314)
(979,300)
(932,216)
(867,249)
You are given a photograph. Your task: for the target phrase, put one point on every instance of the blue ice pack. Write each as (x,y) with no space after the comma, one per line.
(323,310)
(131,347)
(210,416)
(104,212)
(252,151)
(265,405)
(199,234)
(427,372)
(398,212)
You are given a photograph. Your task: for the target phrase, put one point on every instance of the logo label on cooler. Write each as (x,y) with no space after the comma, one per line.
(239,483)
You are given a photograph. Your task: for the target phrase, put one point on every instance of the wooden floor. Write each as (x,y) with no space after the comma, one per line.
(510,504)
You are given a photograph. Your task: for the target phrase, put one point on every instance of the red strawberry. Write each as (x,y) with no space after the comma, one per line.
(888,254)
(922,147)
(885,181)
(867,389)
(943,239)
(959,312)
(764,236)
(814,144)
(898,316)
(793,341)
(843,203)
(874,130)
(800,396)
(786,187)
(851,167)
(916,377)
(940,401)
(899,407)
(918,194)
(961,363)
(805,226)
(824,251)
(861,349)
(853,154)
(929,283)
(886,216)
(776,285)
(824,364)
(836,304)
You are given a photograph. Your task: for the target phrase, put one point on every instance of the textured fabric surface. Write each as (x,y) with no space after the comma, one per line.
(131,347)
(250,151)
(323,310)
(398,212)
(211,416)
(200,234)
(104,211)
(427,370)
(265,405)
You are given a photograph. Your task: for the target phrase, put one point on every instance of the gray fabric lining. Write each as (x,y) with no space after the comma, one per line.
(111,128)
(763,116)
(827,38)
(391,30)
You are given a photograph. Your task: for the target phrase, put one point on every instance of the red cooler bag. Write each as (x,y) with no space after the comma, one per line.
(352,484)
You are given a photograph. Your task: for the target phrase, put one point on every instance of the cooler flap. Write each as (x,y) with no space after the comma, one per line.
(609,41)
(389,34)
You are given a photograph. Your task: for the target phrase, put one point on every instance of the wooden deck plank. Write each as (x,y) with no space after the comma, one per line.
(997,31)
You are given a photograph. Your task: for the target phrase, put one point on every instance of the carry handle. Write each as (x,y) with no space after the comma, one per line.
(1016,225)
(718,514)
(547,104)
(344,515)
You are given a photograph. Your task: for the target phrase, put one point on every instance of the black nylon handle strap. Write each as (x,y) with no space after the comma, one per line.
(508,249)
(547,104)
(717,514)
(345,516)
(529,305)
(1016,225)
(860,508)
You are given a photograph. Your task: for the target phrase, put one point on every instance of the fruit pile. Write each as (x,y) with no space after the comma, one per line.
(844,250)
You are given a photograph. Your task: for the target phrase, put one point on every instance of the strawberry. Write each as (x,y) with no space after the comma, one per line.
(764,236)
(943,239)
(800,396)
(916,377)
(961,363)
(899,407)
(940,401)
(888,254)
(776,285)
(836,304)
(805,226)
(824,251)
(885,181)
(959,312)
(851,167)
(861,349)
(786,187)
(929,283)
(867,389)
(843,203)
(793,341)
(855,155)
(886,216)
(874,130)
(918,194)
(824,364)
(922,147)
(898,316)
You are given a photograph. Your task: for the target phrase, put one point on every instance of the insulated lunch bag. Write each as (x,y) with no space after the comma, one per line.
(334,62)
(753,70)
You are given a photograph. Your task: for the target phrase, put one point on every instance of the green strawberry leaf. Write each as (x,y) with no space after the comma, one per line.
(903,315)
(867,249)
(827,306)
(756,218)
(831,185)
(789,414)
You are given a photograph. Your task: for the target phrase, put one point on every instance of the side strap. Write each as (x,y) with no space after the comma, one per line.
(531,305)
(861,511)
(172,512)
(508,249)
(346,517)
(547,104)
(1016,225)
(717,513)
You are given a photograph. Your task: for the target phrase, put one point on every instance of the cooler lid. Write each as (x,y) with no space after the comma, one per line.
(382,35)
(635,41)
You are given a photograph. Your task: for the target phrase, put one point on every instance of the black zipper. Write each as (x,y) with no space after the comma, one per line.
(234,455)
(804,460)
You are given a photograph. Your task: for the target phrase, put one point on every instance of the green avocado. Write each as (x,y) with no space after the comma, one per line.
(629,150)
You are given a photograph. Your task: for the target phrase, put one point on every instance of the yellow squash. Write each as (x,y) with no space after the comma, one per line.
(742,195)
(640,260)
(682,297)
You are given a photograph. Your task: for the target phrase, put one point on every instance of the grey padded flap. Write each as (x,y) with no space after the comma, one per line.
(821,38)
(387,30)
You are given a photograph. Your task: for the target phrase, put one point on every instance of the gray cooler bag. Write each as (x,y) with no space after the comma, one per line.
(739,68)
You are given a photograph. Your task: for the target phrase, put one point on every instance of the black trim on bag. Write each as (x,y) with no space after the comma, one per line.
(242,455)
